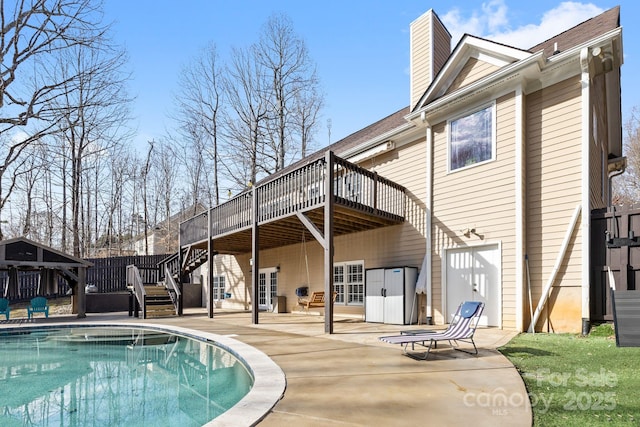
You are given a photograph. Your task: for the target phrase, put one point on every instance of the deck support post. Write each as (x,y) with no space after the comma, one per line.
(179,279)
(328,242)
(210,256)
(82,296)
(255,255)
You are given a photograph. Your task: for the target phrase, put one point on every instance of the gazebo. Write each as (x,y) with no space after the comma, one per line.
(22,254)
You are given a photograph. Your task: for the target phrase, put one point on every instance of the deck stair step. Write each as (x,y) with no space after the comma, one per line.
(158,302)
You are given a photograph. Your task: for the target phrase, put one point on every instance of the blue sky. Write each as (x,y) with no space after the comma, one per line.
(360,47)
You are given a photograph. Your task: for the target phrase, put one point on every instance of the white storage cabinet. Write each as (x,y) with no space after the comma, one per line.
(390,295)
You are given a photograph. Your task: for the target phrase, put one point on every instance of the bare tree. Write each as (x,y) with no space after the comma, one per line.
(246,119)
(28,176)
(33,34)
(200,103)
(626,187)
(292,82)
(164,176)
(306,109)
(48,199)
(252,117)
(144,175)
(191,142)
(94,114)
(113,237)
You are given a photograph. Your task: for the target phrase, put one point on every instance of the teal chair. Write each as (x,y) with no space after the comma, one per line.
(4,307)
(38,305)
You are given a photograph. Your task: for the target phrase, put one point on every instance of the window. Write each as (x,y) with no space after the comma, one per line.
(472,138)
(348,282)
(218,288)
(338,282)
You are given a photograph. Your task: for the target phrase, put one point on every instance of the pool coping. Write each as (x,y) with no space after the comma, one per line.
(269,381)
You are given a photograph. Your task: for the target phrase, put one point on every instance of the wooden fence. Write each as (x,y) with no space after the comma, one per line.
(615,245)
(110,274)
(107,274)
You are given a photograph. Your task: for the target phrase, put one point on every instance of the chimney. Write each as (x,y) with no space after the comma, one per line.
(430,48)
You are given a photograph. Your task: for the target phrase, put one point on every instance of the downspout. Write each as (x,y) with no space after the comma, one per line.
(619,170)
(586,211)
(428,213)
(519,213)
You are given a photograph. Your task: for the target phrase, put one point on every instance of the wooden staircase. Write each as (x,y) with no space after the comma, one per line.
(197,258)
(192,259)
(163,299)
(158,302)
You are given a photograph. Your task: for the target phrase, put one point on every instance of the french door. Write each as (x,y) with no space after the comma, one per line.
(267,288)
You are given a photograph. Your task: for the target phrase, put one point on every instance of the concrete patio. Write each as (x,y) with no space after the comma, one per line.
(350,378)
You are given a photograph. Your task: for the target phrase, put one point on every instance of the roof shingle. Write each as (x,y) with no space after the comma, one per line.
(587,30)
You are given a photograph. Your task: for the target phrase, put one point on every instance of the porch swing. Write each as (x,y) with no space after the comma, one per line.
(303,291)
(316,299)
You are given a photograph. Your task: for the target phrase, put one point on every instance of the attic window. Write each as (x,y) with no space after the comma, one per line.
(472,138)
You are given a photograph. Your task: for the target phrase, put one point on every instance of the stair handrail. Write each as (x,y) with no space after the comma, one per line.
(172,286)
(168,261)
(134,282)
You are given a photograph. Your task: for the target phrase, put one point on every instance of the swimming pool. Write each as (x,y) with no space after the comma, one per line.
(84,374)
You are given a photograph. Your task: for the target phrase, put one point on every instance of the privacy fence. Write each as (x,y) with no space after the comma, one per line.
(615,247)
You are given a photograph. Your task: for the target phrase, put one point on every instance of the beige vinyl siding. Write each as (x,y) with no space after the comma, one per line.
(441,46)
(473,70)
(421,56)
(553,156)
(233,269)
(399,245)
(480,197)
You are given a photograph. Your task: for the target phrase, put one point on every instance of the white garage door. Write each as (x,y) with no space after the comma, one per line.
(473,274)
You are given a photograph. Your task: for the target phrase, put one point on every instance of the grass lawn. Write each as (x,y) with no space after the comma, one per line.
(578,381)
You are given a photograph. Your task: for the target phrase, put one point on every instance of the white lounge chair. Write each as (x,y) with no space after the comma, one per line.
(462,328)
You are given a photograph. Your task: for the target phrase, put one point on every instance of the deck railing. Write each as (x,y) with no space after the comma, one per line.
(360,188)
(170,263)
(194,229)
(174,289)
(300,190)
(231,216)
(134,282)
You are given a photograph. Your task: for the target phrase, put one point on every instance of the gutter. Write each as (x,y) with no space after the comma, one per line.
(478,86)
(375,142)
(506,73)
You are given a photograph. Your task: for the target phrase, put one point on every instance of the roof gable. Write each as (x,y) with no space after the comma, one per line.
(473,70)
(25,253)
(470,51)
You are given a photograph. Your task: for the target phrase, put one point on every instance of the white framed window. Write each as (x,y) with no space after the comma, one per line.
(348,282)
(218,288)
(472,138)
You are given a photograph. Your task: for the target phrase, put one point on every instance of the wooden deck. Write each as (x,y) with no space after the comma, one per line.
(362,201)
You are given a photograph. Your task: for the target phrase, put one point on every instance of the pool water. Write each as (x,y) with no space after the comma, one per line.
(115,377)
